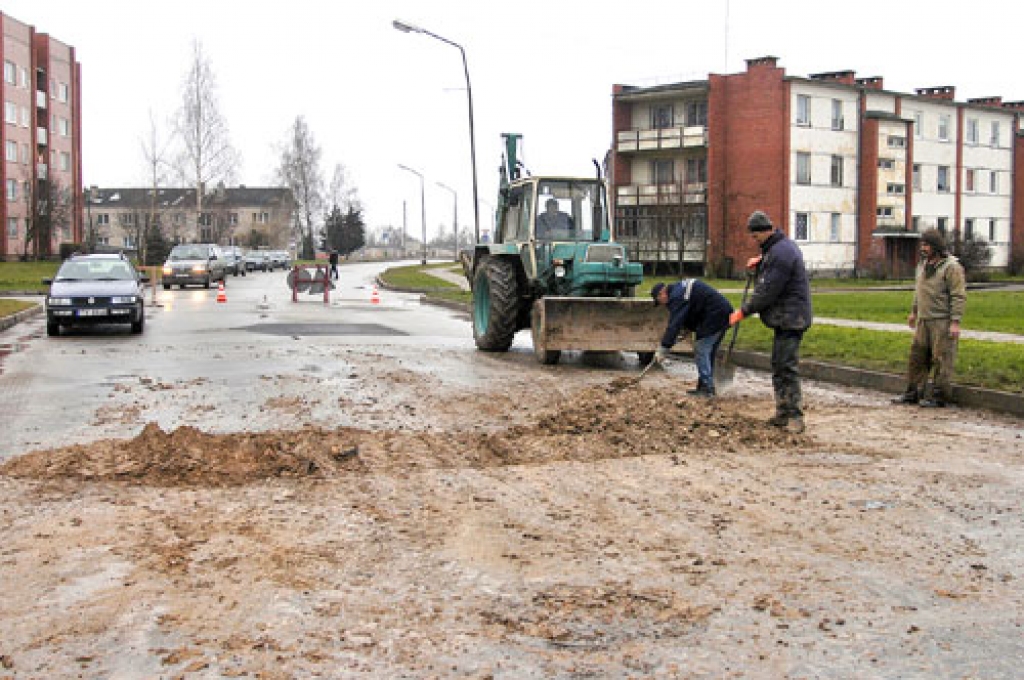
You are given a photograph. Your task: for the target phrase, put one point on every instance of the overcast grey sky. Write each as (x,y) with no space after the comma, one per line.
(374,97)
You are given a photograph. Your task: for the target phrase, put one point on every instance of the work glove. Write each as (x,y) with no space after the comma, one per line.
(661,354)
(736,317)
(753,262)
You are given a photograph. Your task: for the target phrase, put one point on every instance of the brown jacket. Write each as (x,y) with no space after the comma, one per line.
(940,291)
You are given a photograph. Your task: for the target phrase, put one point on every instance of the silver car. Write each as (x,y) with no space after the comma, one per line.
(198,264)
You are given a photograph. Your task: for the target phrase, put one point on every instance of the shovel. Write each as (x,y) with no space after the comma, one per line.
(725,370)
(644,372)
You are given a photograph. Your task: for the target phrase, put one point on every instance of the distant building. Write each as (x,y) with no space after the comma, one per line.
(852,172)
(243,215)
(41,137)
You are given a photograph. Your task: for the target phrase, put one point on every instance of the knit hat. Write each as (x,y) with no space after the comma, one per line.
(759,222)
(933,237)
(656,291)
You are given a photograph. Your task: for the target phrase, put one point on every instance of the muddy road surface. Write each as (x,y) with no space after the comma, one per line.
(269,490)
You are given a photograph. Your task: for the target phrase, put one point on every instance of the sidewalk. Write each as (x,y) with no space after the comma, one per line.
(449,277)
(990,336)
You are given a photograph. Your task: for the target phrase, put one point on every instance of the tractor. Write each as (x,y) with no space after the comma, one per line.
(553,266)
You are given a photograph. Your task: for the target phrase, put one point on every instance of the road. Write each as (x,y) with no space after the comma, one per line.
(272,489)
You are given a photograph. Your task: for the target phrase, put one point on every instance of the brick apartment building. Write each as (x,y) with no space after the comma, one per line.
(41,137)
(851,171)
(117,217)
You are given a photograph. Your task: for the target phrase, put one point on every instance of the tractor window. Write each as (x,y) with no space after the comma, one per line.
(513,217)
(569,211)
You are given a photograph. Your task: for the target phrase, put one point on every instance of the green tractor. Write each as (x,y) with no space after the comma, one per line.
(553,267)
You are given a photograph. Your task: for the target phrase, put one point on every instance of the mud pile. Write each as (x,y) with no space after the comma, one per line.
(618,420)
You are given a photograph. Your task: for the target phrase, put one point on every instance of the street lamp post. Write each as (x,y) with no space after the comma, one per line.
(455,216)
(409,28)
(423,210)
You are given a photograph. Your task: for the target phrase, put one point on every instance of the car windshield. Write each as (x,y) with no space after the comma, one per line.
(95,270)
(570,211)
(188,253)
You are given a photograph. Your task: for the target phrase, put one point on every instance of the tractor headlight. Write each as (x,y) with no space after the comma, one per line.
(560,271)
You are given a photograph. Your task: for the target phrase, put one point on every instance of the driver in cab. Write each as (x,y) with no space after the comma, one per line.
(553,223)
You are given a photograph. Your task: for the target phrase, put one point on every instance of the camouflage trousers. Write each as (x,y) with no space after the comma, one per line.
(786,374)
(932,348)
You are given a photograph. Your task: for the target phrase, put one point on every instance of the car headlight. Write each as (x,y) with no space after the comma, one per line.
(168,270)
(559,271)
(59,302)
(199,269)
(125,300)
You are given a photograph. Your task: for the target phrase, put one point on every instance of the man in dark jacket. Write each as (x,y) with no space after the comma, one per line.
(782,297)
(696,307)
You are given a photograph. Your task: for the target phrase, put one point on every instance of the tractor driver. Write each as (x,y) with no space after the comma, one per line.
(553,221)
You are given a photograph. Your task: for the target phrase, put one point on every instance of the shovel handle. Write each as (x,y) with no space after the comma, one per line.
(736,328)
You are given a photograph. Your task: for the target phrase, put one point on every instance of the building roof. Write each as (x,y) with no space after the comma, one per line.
(133,198)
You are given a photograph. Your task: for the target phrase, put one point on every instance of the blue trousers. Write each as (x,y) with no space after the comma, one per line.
(704,351)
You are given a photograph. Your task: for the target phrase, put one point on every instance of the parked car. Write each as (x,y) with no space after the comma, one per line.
(280,258)
(193,264)
(257,260)
(95,289)
(234,260)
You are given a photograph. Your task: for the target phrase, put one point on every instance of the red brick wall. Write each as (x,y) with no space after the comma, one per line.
(869,249)
(622,119)
(1017,211)
(748,158)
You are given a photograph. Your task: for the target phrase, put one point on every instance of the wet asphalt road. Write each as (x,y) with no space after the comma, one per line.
(53,390)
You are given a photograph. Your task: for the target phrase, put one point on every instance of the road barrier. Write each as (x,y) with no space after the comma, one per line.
(310,279)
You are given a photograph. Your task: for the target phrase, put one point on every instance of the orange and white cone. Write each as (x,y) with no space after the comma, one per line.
(221,295)
(375,297)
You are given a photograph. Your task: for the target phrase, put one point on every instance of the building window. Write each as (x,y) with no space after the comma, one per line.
(993,139)
(261,217)
(833,232)
(972,131)
(696,170)
(10,72)
(837,171)
(697,113)
(918,124)
(64,127)
(942,225)
(803,168)
(884,211)
(915,224)
(128,219)
(837,114)
(803,110)
(969,228)
(661,116)
(103,219)
(11,151)
(662,171)
(896,142)
(62,92)
(886,163)
(993,183)
(129,242)
(944,128)
(12,227)
(801,228)
(205,219)
(991,230)
(969,179)
(895,189)
(10,113)
(917,176)
(942,185)
(233,219)
(12,190)
(23,77)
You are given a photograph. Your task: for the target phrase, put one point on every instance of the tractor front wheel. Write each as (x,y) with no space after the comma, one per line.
(495,305)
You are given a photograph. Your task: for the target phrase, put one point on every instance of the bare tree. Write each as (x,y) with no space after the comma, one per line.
(207,156)
(342,193)
(48,212)
(154,152)
(300,172)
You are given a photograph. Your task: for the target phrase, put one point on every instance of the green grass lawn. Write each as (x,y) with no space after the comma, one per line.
(26,276)
(413,277)
(8,307)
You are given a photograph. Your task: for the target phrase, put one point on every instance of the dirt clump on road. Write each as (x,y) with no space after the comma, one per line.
(618,420)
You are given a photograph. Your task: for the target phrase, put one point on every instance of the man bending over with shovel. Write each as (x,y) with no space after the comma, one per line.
(694,306)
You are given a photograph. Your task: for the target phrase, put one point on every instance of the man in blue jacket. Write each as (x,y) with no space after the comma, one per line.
(696,307)
(782,297)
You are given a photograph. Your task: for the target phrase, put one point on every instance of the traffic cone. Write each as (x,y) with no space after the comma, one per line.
(221,295)
(375,297)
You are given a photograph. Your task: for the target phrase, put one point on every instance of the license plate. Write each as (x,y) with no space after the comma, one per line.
(92,312)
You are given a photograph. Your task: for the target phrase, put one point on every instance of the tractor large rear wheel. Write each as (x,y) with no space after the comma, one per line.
(495,305)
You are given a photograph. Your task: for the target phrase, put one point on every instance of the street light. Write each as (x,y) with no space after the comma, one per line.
(455,216)
(423,210)
(409,28)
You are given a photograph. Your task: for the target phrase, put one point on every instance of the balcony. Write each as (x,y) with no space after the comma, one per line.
(661,194)
(40,100)
(661,139)
(41,137)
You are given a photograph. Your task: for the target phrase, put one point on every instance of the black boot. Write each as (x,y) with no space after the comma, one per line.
(908,397)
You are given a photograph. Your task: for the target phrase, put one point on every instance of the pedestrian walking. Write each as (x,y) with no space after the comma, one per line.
(782,298)
(940,295)
(695,307)
(333,259)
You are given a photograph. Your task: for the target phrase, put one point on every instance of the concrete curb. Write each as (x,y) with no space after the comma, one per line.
(16,318)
